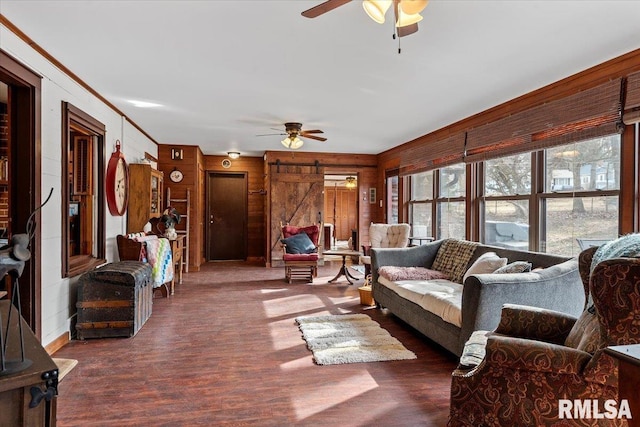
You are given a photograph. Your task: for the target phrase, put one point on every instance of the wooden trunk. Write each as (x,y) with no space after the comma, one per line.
(114,300)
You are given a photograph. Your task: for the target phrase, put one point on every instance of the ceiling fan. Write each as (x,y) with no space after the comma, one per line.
(294,131)
(406,12)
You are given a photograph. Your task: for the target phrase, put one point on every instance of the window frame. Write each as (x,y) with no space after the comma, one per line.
(74,118)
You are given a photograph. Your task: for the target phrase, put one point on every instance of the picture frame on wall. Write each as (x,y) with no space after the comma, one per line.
(372,195)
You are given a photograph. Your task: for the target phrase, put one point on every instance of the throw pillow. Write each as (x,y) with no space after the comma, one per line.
(486,263)
(515,267)
(410,273)
(299,244)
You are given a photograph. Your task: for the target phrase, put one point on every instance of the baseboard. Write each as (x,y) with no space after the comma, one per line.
(57,344)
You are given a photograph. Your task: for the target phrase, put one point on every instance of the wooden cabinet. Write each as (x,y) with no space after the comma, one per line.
(39,378)
(145,196)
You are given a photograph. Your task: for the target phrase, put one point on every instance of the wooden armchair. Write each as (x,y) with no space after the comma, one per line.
(300,245)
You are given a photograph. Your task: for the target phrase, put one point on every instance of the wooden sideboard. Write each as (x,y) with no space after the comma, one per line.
(39,379)
(628,357)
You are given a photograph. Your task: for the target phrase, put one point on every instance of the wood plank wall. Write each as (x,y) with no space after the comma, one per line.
(191,167)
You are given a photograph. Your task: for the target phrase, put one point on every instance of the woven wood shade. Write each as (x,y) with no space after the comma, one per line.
(632,101)
(588,114)
(432,155)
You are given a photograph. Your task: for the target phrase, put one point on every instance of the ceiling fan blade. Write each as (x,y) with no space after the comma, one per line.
(323,8)
(407,30)
(271,134)
(312,131)
(317,138)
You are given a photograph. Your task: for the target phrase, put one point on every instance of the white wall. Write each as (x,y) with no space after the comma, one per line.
(58,294)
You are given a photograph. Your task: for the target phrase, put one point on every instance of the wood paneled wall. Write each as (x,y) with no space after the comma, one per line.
(190,166)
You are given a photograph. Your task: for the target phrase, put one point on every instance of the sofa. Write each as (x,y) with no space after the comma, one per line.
(456,298)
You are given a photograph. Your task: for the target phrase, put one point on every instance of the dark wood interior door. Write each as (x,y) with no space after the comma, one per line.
(226,216)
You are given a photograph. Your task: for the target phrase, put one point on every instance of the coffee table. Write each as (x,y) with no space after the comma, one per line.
(344,271)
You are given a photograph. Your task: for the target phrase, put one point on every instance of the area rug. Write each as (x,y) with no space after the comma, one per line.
(349,338)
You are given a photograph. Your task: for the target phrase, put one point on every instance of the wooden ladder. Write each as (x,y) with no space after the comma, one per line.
(186,202)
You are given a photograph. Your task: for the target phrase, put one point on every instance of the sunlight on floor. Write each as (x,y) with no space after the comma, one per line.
(281,335)
(343,300)
(303,362)
(323,397)
(290,305)
(271,291)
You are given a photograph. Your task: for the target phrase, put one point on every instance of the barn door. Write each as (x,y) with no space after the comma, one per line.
(296,199)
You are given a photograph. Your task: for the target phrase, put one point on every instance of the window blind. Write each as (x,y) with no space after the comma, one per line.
(432,154)
(588,114)
(632,101)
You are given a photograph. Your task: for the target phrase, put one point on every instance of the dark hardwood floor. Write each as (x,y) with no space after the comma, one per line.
(224,350)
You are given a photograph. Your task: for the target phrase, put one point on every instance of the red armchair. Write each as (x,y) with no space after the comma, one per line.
(300,256)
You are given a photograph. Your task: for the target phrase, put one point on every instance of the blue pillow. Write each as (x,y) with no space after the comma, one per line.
(299,244)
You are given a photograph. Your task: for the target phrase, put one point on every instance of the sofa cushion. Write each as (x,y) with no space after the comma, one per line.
(486,263)
(438,296)
(514,267)
(585,334)
(453,258)
(410,273)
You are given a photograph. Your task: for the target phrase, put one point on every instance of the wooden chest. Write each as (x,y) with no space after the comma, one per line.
(114,300)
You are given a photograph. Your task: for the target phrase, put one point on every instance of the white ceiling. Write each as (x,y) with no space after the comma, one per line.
(225,71)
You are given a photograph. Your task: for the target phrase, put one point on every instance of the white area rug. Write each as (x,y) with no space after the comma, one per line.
(349,338)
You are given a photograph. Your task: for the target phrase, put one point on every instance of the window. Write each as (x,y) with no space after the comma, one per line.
(392,200)
(581,195)
(437,206)
(507,190)
(83,196)
(421,204)
(450,202)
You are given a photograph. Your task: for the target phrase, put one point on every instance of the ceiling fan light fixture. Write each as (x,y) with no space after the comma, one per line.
(376,9)
(351,182)
(405,19)
(412,7)
(292,143)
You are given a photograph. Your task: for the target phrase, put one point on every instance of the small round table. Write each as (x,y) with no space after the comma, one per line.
(344,271)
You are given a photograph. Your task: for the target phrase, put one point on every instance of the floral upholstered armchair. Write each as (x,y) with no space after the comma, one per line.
(536,357)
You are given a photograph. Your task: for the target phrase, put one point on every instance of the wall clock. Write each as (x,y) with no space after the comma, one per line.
(117,183)
(226,163)
(176,176)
